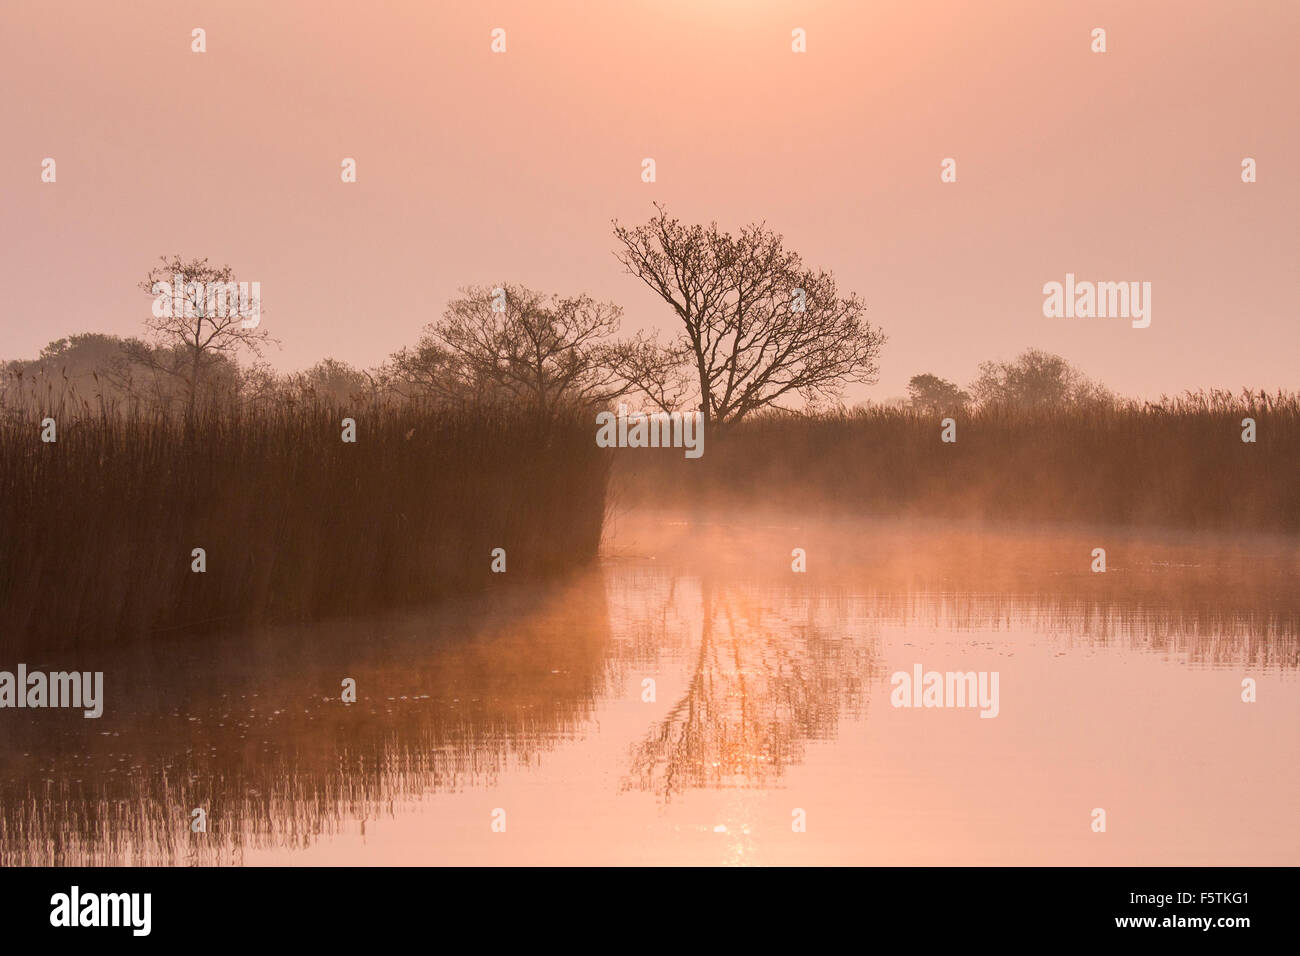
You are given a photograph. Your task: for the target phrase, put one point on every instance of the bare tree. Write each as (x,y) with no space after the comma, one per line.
(195,325)
(427,372)
(758,327)
(511,342)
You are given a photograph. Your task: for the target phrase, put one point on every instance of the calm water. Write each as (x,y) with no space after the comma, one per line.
(772,693)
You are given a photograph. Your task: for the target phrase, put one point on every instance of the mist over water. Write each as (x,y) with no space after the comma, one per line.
(771,693)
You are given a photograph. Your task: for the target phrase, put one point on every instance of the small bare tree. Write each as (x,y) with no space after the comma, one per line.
(757,326)
(426,372)
(513,343)
(195,325)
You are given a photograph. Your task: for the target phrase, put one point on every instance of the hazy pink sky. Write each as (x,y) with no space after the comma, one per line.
(476,167)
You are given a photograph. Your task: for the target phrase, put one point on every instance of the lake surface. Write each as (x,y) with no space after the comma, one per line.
(771,704)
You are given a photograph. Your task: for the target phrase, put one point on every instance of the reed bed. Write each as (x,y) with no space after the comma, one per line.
(97,529)
(1179,462)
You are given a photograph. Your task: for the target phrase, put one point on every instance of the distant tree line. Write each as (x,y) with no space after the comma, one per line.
(755,331)
(1033,380)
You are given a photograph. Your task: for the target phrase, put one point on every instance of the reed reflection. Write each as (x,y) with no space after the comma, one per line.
(255,732)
